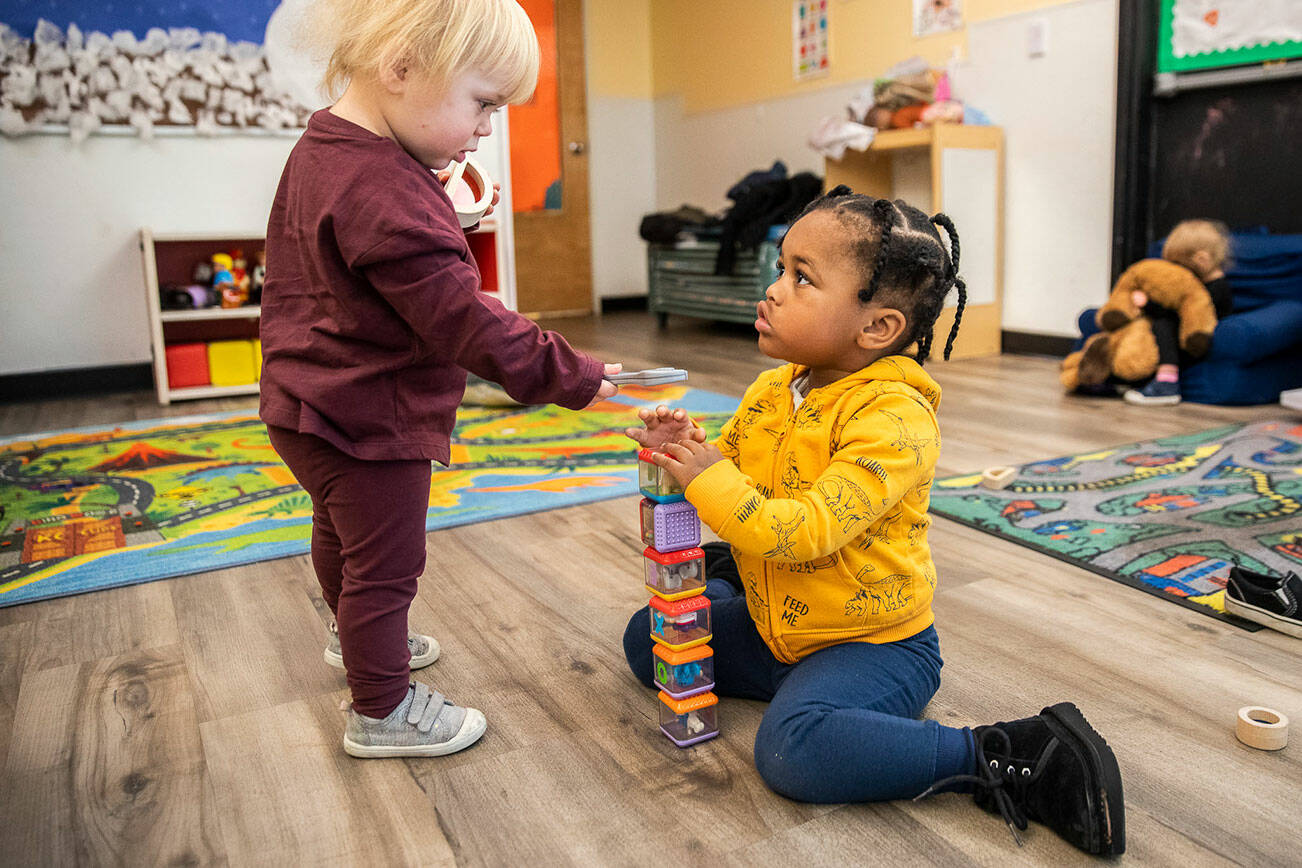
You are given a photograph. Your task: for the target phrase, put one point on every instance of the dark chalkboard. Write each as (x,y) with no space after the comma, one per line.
(1229,153)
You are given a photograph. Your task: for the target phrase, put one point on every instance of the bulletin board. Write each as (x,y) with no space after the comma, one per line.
(1205,34)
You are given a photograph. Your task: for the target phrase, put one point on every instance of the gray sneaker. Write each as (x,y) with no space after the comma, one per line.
(424,649)
(423,724)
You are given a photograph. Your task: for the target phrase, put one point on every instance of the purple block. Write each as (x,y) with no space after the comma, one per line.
(670,527)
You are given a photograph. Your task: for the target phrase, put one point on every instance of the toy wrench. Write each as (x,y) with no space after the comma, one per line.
(651,377)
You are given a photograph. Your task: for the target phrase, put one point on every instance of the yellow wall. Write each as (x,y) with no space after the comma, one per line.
(618,35)
(719,53)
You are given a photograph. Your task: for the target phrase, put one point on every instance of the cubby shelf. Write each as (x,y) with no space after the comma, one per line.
(246,312)
(170,258)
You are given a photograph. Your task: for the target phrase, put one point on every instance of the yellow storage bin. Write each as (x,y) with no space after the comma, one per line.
(257,359)
(230,363)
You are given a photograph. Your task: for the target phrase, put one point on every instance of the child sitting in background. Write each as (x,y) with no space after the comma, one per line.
(821,598)
(1203,247)
(372,315)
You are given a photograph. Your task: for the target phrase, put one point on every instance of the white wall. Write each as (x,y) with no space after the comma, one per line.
(622,180)
(699,155)
(1058,116)
(72,292)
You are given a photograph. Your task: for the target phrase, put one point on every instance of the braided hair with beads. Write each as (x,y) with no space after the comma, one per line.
(904,261)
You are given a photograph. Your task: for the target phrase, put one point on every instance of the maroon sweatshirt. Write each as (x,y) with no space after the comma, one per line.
(372,311)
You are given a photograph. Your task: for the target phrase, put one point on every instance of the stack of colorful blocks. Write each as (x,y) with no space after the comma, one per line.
(680,611)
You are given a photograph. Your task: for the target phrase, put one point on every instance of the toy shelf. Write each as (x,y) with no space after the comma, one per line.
(246,312)
(957,169)
(191,393)
(170,258)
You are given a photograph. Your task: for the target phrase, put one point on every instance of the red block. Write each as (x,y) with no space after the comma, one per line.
(187,365)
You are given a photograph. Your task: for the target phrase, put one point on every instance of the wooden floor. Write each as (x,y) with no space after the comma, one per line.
(193,721)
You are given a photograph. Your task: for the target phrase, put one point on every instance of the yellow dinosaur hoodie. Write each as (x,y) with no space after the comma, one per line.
(825,505)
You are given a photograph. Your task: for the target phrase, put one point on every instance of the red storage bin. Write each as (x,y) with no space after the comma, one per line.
(187,365)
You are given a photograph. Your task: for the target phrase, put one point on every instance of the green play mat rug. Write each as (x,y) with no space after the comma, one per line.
(1167,516)
(102,507)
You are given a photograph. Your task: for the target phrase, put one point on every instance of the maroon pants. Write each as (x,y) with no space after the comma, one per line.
(368,550)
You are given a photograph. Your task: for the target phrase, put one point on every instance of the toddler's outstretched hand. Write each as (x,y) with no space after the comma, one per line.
(687,459)
(607,389)
(664,426)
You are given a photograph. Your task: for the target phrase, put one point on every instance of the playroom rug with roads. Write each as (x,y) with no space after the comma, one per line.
(1169,516)
(95,508)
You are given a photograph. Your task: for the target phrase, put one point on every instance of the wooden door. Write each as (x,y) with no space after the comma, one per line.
(549,171)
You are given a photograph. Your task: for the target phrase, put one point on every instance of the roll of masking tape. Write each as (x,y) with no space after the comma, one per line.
(1262,728)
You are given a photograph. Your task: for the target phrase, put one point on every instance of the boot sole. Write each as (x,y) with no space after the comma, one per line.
(472,729)
(1072,727)
(1264,617)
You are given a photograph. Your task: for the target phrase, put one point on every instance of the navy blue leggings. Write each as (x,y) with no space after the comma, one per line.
(842,723)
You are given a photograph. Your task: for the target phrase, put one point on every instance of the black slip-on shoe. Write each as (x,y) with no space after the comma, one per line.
(1273,601)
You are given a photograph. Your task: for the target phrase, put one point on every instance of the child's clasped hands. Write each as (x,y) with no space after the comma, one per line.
(678,442)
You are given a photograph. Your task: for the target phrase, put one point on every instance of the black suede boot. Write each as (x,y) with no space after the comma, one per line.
(1055,769)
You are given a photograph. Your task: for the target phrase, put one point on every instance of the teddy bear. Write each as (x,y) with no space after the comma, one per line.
(1126,347)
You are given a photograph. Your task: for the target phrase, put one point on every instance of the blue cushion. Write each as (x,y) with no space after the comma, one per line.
(1250,335)
(1257,382)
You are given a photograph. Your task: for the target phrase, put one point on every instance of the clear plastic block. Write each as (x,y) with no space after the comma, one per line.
(679,624)
(684,673)
(654,481)
(687,721)
(674,575)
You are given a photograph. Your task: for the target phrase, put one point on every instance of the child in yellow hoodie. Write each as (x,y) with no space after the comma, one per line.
(821,594)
